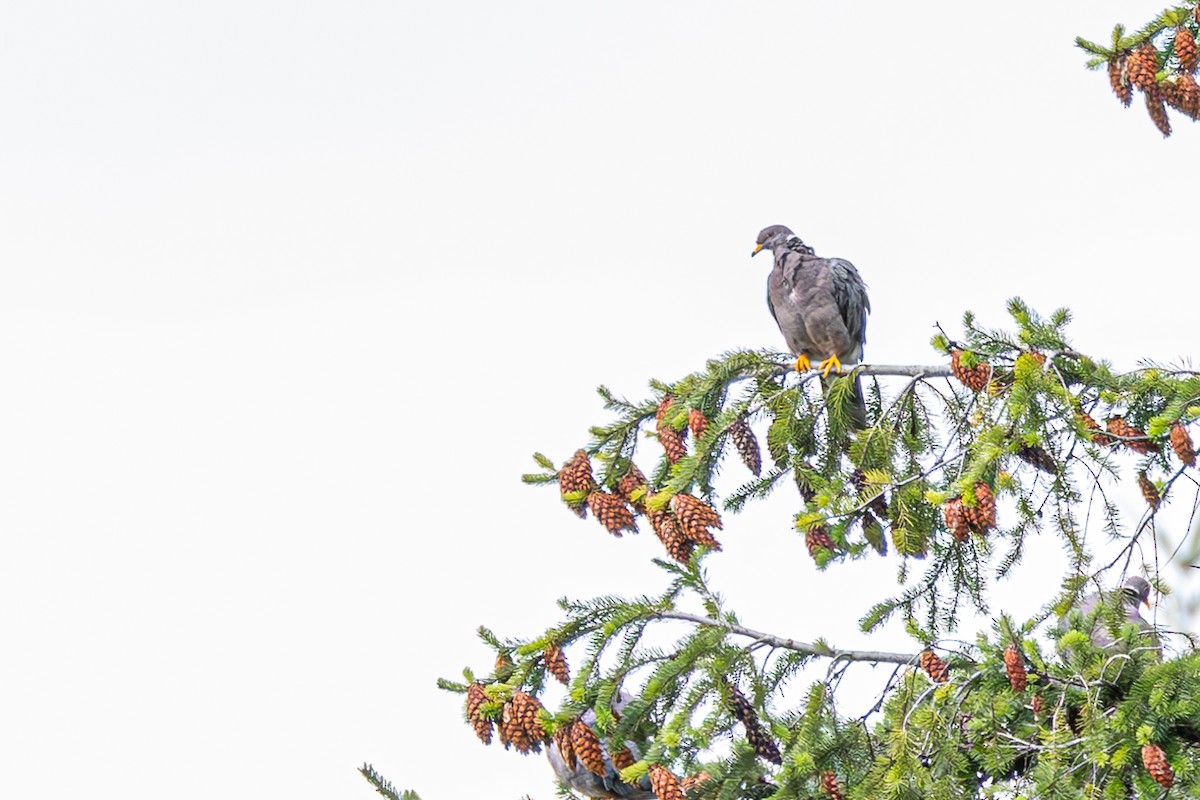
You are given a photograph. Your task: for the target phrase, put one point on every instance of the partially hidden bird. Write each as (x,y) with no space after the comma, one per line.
(1134,593)
(820,305)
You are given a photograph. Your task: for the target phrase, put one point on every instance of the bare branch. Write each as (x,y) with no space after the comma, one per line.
(808,648)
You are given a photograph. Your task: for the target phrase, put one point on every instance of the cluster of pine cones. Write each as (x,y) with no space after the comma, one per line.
(980,517)
(1140,69)
(672,439)
(682,526)
(519,725)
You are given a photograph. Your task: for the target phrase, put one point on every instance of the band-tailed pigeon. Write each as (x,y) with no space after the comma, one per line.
(609,786)
(820,305)
(1135,592)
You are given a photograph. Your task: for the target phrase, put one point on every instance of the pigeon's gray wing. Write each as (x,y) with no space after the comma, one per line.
(851,295)
(784,301)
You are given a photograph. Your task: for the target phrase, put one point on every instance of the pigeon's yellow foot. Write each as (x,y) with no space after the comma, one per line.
(830,364)
(802,363)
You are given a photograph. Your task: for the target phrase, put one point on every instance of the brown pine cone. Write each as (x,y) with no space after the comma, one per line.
(630,481)
(1158,112)
(666,527)
(1131,437)
(1119,81)
(1036,704)
(1014,665)
(1156,764)
(526,708)
(816,539)
(697,422)
(623,758)
(746,444)
(1186,50)
(756,734)
(1142,66)
(512,731)
(1089,423)
(1182,94)
(665,784)
(476,697)
(670,438)
(1181,443)
(556,663)
(695,518)
(974,378)
(934,666)
(611,512)
(958,521)
(985,508)
(1149,490)
(576,476)
(830,785)
(562,740)
(1037,456)
(587,748)
(503,661)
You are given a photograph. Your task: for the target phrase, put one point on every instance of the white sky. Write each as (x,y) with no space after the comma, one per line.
(289,292)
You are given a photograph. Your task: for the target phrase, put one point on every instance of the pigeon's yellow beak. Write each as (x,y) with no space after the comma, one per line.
(756,249)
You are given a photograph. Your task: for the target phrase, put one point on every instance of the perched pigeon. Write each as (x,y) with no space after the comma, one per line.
(820,305)
(610,787)
(1135,592)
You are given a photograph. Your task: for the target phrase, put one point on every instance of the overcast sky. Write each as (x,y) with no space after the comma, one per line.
(289,292)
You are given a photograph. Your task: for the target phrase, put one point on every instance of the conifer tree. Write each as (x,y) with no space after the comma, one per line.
(1014,434)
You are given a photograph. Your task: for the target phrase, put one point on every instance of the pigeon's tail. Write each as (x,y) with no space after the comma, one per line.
(856,406)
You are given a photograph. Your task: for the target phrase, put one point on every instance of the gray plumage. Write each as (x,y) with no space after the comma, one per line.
(820,305)
(610,787)
(1132,594)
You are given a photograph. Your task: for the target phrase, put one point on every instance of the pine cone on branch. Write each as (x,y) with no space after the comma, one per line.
(985,508)
(692,781)
(562,740)
(512,731)
(587,748)
(817,538)
(1093,428)
(1131,437)
(1014,665)
(1181,443)
(666,527)
(575,477)
(556,663)
(476,697)
(1038,457)
(1182,94)
(1037,705)
(1157,110)
(612,513)
(525,709)
(697,422)
(974,378)
(1186,50)
(695,518)
(957,519)
(1119,81)
(830,785)
(632,480)
(670,438)
(1156,764)
(934,667)
(623,759)
(665,784)
(764,746)
(746,444)
(1149,490)
(1142,67)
